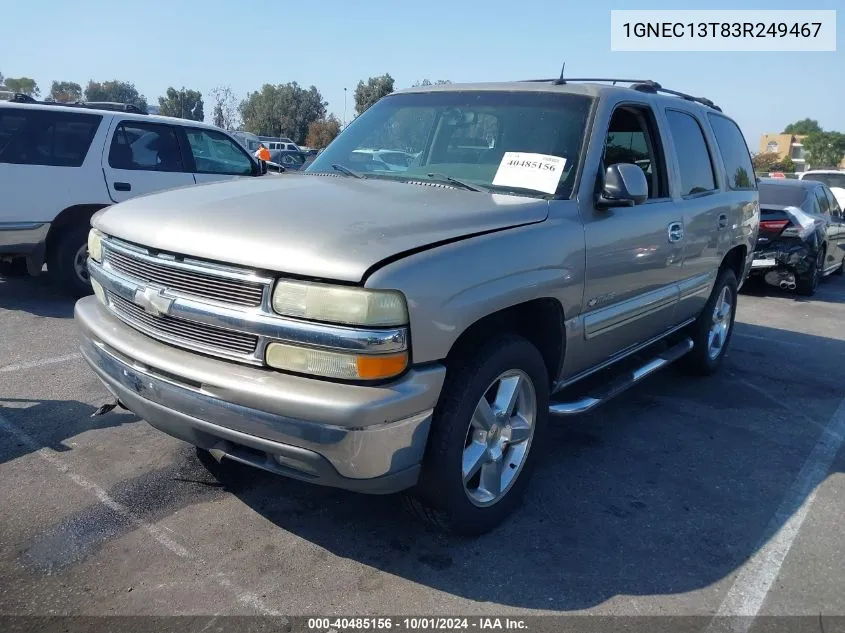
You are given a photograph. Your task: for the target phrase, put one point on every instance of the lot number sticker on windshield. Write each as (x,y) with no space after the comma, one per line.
(530,171)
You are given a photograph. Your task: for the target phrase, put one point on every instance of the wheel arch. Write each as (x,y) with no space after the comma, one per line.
(70,217)
(735,260)
(540,321)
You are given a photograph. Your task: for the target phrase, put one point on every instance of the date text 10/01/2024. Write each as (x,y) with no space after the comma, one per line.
(416,624)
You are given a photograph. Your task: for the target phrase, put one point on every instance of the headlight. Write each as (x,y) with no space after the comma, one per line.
(305,360)
(340,304)
(95,245)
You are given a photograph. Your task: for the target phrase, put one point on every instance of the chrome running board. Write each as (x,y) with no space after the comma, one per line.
(622,383)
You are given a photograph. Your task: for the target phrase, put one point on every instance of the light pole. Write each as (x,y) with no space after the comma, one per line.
(344,107)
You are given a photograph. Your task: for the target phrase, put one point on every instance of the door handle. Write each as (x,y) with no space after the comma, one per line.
(676,231)
(723,221)
(122,186)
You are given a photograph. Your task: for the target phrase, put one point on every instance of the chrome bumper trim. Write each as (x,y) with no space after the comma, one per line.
(267,328)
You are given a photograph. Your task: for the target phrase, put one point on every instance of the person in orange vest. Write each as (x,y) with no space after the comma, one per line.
(262,153)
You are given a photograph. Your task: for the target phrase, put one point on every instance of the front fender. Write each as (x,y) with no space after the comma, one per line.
(450,287)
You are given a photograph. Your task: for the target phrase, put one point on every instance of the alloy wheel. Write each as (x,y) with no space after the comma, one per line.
(720,324)
(499,438)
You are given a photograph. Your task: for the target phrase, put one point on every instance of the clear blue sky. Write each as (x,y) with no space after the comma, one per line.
(332,44)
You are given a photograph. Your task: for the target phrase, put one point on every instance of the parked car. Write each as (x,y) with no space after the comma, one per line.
(290,160)
(802,235)
(284,145)
(834,179)
(60,164)
(413,331)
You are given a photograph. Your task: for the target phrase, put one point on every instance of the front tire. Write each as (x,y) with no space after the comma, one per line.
(485,438)
(711,333)
(67,261)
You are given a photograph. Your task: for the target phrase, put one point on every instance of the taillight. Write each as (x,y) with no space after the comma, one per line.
(775,226)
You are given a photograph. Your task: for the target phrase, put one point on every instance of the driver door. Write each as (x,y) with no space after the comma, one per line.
(634,254)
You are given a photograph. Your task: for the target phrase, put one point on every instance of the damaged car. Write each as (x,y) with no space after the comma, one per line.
(801,237)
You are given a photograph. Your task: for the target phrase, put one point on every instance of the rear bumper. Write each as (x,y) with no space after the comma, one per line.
(22,238)
(367,439)
(796,258)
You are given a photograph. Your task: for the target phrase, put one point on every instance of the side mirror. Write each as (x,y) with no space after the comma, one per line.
(624,185)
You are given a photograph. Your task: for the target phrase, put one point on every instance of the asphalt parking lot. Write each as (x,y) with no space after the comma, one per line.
(684,496)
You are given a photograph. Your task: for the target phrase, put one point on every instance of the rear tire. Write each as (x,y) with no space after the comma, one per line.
(67,261)
(472,478)
(807,284)
(711,333)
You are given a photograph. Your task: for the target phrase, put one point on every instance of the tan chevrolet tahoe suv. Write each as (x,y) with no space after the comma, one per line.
(549,244)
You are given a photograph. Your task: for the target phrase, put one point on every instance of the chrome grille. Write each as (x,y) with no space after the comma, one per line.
(195,336)
(185,280)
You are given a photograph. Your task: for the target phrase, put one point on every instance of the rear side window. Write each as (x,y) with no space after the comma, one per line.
(44,137)
(693,156)
(145,146)
(734,153)
(824,204)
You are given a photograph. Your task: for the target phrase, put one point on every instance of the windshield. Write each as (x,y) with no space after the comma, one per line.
(465,135)
(831,180)
(782,195)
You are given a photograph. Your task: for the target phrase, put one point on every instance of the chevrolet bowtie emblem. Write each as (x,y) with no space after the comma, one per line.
(153,301)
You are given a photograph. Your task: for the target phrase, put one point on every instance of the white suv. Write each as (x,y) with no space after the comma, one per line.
(60,164)
(833,178)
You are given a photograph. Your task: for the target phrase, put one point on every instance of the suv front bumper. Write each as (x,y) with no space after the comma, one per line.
(364,438)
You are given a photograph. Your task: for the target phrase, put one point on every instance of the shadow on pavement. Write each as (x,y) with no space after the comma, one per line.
(50,422)
(38,296)
(830,290)
(666,490)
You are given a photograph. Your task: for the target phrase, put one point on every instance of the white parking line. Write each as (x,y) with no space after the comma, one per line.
(242,596)
(40,363)
(754,580)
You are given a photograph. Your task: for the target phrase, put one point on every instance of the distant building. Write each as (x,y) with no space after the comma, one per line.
(791,145)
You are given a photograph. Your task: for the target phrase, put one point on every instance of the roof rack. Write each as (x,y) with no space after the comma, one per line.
(641,85)
(20,97)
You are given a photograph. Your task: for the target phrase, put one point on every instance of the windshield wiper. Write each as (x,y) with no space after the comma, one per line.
(455,181)
(345,170)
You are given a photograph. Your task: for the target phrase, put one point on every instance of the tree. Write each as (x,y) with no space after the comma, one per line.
(322,132)
(66,91)
(825,149)
(771,161)
(114,90)
(366,94)
(282,110)
(184,104)
(804,126)
(426,82)
(225,110)
(23,84)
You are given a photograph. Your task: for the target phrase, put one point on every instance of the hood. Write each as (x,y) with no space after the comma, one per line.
(317,226)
